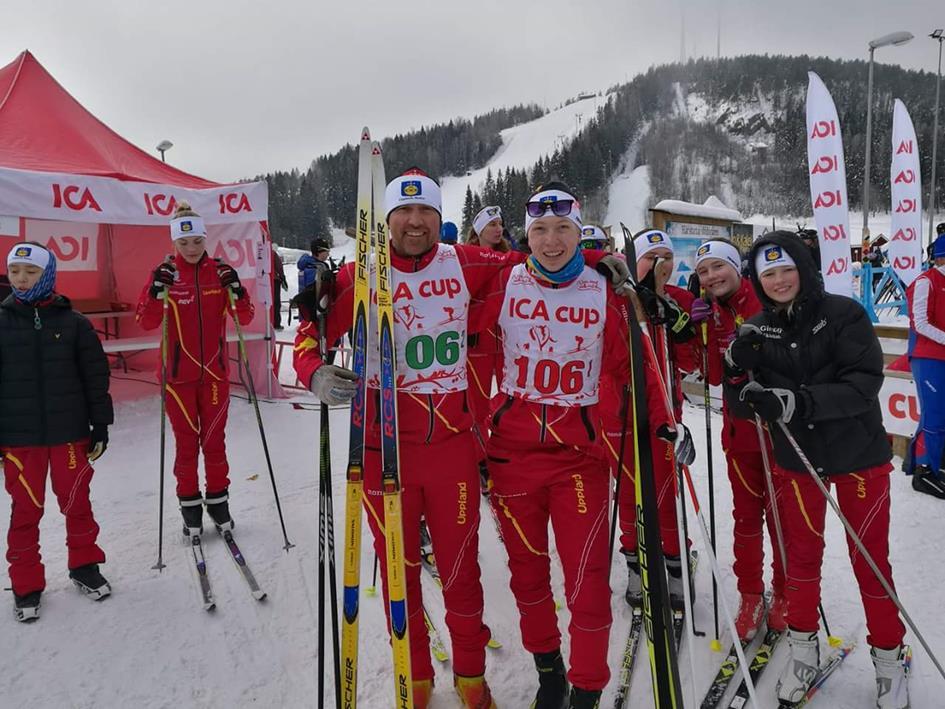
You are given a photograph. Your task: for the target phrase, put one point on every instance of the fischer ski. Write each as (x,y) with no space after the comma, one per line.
(200,563)
(351,573)
(723,678)
(679,615)
(241,564)
(759,663)
(625,675)
(823,674)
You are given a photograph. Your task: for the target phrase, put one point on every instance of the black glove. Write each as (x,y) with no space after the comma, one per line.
(745,351)
(98,442)
(665,433)
(162,277)
(229,278)
(651,305)
(680,324)
(774,404)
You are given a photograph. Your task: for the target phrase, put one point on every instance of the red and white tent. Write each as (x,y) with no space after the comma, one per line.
(102,205)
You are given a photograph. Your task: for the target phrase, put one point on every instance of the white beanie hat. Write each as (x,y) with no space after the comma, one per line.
(29,254)
(550,196)
(183,227)
(592,231)
(722,250)
(413,187)
(485,215)
(649,240)
(771,256)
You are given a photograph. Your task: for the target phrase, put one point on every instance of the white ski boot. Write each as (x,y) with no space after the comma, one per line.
(802,666)
(892,690)
(634,593)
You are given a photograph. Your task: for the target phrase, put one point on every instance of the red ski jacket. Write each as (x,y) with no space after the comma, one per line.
(421,418)
(198,309)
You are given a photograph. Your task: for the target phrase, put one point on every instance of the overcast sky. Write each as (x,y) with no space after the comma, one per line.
(245,87)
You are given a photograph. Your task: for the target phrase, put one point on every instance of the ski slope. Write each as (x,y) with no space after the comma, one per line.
(522,145)
(152,646)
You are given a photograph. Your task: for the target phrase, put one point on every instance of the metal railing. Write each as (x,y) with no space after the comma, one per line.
(881,289)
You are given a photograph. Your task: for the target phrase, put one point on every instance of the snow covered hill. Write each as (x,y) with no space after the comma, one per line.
(151,645)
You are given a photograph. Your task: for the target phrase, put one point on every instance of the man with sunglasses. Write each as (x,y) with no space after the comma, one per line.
(594,238)
(561,325)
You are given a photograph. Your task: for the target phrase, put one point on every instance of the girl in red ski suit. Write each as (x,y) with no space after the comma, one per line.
(198,389)
(546,459)
(717,260)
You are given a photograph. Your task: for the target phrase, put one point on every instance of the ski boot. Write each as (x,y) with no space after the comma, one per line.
(485,484)
(473,692)
(634,593)
(892,690)
(924,480)
(191,509)
(677,600)
(584,698)
(801,668)
(751,611)
(26,607)
(552,681)
(219,510)
(422,691)
(777,613)
(88,580)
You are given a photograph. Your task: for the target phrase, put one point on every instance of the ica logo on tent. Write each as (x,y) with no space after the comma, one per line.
(159,204)
(74,197)
(234,203)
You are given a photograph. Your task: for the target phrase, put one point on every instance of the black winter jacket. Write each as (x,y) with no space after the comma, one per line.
(826,351)
(53,379)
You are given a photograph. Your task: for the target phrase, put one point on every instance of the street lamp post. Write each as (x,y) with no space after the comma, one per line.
(163,147)
(895,38)
(937,35)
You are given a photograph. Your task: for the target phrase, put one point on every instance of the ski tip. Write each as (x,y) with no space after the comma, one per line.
(715,645)
(365,133)
(494,644)
(834,641)
(557,605)
(375,148)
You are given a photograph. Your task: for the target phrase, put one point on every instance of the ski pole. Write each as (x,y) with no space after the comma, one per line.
(372,589)
(717,572)
(160,560)
(707,401)
(326,516)
(887,587)
(625,401)
(262,432)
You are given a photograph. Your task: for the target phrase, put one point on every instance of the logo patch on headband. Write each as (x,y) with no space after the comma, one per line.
(493,211)
(23,252)
(411,188)
(548,199)
(773,253)
(703,250)
(588,231)
(186,226)
(655,238)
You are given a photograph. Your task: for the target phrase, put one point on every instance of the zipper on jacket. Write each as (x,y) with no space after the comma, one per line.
(588,425)
(501,411)
(432,419)
(544,423)
(175,366)
(37,323)
(199,314)
(38,339)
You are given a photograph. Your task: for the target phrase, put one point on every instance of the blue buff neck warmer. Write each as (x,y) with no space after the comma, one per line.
(569,272)
(43,287)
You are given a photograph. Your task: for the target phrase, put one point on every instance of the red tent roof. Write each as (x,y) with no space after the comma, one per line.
(43,128)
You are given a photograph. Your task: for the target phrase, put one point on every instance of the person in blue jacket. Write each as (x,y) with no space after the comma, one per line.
(309,264)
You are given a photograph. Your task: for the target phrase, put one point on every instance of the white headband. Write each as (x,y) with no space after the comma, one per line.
(412,188)
(30,254)
(721,250)
(649,240)
(485,215)
(772,256)
(592,231)
(183,227)
(549,197)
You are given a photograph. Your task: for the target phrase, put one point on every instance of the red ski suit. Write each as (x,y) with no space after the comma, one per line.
(485,362)
(197,366)
(547,461)
(751,504)
(439,472)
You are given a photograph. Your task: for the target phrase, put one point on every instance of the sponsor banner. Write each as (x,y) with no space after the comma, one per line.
(9,226)
(103,200)
(687,238)
(74,244)
(905,180)
(238,245)
(828,187)
(900,406)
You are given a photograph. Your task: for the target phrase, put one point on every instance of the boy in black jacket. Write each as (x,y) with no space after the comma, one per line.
(54,415)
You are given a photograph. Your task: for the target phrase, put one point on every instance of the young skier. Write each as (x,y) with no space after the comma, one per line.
(817,367)
(729,300)
(926,295)
(561,326)
(56,411)
(198,290)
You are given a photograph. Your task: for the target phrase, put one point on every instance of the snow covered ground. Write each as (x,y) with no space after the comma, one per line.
(150,645)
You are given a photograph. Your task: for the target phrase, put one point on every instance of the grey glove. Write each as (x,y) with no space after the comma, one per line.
(616,271)
(772,404)
(685,449)
(333,385)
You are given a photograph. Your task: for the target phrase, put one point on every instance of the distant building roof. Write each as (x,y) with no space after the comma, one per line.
(713,208)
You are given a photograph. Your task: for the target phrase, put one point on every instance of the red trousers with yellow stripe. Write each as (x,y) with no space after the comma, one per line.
(440,483)
(626,496)
(197,412)
(751,509)
(481,368)
(864,500)
(24,472)
(569,487)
